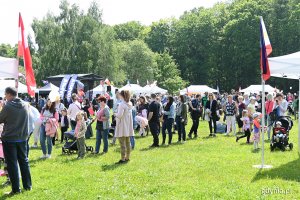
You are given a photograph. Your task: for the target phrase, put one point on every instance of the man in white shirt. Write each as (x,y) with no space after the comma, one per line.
(281,104)
(73,109)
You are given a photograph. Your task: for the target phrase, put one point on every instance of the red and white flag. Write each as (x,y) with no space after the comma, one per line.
(23,51)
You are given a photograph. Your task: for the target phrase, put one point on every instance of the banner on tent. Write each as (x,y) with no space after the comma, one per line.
(63,85)
(71,86)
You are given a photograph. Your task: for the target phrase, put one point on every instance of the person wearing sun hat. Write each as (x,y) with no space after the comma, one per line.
(256,129)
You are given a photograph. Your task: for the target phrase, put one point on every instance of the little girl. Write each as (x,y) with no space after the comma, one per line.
(246,126)
(64,124)
(256,130)
(80,134)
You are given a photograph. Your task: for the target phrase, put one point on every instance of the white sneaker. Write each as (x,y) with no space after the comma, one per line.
(34,146)
(48,156)
(43,156)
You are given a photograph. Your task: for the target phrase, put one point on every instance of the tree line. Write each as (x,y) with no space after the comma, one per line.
(217,46)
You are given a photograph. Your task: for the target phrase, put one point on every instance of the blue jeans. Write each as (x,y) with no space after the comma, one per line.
(14,153)
(43,139)
(167,125)
(102,135)
(132,142)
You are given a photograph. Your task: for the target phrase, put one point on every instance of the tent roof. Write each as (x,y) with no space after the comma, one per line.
(6,83)
(258,88)
(197,89)
(287,66)
(49,87)
(154,89)
(79,76)
(133,88)
(9,68)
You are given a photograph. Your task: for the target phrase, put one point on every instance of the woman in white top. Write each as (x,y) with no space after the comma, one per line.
(73,109)
(124,125)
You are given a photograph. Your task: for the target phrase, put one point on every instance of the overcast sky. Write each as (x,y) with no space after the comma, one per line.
(114,12)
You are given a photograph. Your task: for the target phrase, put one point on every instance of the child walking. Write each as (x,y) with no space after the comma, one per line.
(256,130)
(80,134)
(246,126)
(64,124)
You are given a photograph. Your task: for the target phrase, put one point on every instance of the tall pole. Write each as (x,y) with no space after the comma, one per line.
(263,124)
(299,118)
(263,106)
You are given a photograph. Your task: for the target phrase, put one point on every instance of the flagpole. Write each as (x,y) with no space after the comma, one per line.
(263,124)
(263,166)
(264,63)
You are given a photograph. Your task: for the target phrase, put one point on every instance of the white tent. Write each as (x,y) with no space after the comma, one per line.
(193,89)
(9,68)
(258,88)
(48,88)
(287,66)
(133,88)
(99,90)
(154,89)
(12,83)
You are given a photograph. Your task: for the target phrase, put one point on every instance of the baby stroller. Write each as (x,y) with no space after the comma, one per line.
(281,140)
(70,146)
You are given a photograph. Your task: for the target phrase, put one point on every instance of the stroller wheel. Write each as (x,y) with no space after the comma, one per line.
(291,146)
(63,150)
(282,148)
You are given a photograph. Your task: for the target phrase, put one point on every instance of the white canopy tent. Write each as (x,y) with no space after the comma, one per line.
(99,90)
(9,68)
(258,88)
(48,88)
(133,88)
(194,89)
(154,89)
(287,66)
(6,83)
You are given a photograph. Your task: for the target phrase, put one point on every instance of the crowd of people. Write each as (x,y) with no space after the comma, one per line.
(128,114)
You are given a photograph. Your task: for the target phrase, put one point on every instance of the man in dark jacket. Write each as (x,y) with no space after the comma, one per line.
(14,115)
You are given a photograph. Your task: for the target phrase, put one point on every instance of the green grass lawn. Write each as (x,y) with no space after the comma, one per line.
(204,168)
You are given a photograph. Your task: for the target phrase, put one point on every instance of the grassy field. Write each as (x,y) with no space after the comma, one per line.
(202,168)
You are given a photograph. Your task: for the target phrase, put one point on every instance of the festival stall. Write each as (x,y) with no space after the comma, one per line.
(102,89)
(48,88)
(287,66)
(133,88)
(149,89)
(258,89)
(197,89)
(22,89)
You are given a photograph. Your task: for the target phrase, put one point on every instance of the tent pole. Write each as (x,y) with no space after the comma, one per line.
(299,119)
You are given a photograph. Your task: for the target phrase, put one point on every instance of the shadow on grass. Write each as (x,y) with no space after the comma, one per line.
(112,166)
(150,148)
(289,172)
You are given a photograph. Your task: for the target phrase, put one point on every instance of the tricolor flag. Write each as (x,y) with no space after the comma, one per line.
(265,50)
(23,51)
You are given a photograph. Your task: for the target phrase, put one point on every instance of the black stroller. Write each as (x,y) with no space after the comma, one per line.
(70,146)
(281,141)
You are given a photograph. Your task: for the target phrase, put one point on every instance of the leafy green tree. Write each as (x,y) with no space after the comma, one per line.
(137,61)
(129,31)
(167,73)
(159,35)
